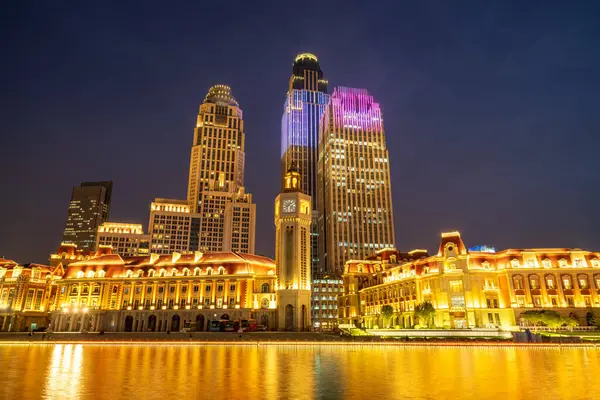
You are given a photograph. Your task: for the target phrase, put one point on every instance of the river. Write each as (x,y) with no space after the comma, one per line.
(84,371)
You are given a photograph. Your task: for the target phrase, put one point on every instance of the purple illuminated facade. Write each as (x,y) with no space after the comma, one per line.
(355,194)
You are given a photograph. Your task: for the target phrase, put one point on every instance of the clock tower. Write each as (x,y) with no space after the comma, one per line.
(292,223)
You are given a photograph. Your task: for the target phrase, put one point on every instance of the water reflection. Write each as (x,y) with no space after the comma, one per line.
(63,378)
(287,372)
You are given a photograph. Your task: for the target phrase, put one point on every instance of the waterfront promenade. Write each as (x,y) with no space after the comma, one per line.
(266,338)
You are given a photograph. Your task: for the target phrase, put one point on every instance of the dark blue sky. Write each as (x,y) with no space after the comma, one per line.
(491,109)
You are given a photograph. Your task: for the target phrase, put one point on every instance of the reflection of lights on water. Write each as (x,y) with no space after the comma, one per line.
(64,376)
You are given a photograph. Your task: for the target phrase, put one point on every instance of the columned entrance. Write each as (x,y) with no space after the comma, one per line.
(152,323)
(175,323)
(128,323)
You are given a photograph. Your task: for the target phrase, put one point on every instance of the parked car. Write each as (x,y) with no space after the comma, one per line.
(261,328)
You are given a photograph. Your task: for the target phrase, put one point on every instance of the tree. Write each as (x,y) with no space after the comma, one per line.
(424,312)
(549,318)
(386,312)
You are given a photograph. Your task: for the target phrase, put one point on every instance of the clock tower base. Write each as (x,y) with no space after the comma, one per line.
(293,313)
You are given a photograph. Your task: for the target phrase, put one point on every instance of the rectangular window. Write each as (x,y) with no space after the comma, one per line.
(458,301)
(570,301)
(30,294)
(38,299)
(208,288)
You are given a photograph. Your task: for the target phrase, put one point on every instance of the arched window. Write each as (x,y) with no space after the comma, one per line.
(515,263)
(550,282)
(360,268)
(265,288)
(101,273)
(140,273)
(209,271)
(567,282)
(534,282)
(162,272)
(151,273)
(85,291)
(264,303)
(186,272)
(196,271)
(129,274)
(547,263)
(221,270)
(74,290)
(595,263)
(174,272)
(80,274)
(90,274)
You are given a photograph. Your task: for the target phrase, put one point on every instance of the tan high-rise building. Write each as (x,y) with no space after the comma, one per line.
(172,227)
(125,239)
(355,200)
(216,181)
(218,147)
(227,220)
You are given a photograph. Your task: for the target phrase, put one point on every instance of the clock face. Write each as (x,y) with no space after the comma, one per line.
(289,206)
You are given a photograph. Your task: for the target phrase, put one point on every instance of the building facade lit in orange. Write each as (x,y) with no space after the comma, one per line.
(25,291)
(163,292)
(470,288)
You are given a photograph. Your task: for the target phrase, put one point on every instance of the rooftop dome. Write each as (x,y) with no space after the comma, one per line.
(221,95)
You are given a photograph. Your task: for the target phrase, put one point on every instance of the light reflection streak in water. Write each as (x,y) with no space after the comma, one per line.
(294,372)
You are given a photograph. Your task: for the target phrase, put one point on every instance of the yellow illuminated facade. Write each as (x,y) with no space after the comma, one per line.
(25,292)
(216,193)
(170,227)
(292,224)
(159,293)
(468,288)
(125,239)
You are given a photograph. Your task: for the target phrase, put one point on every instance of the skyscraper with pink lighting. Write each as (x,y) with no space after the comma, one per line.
(355,193)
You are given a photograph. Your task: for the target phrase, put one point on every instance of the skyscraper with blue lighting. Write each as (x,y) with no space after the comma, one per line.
(304,104)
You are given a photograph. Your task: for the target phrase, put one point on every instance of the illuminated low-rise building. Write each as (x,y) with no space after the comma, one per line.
(470,288)
(324,306)
(25,291)
(164,292)
(125,239)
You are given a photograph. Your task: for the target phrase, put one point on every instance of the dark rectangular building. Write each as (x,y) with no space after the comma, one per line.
(89,208)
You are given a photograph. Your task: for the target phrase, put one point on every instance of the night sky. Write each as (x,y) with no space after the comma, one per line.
(491,111)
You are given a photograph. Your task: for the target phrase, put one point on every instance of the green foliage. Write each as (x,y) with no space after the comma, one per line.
(386,312)
(549,318)
(424,312)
